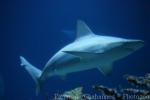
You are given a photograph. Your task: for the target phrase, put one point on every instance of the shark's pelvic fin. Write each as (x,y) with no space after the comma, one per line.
(83,29)
(106,68)
(33,71)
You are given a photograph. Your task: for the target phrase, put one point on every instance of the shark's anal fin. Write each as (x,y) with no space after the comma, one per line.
(106,68)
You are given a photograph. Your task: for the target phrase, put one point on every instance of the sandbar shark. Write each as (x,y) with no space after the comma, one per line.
(86,52)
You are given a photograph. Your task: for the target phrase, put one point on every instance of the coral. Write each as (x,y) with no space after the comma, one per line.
(141,91)
(75,94)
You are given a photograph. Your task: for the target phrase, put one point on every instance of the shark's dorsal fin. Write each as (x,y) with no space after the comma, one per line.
(83,29)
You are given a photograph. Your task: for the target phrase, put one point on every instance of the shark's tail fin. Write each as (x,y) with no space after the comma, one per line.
(34,72)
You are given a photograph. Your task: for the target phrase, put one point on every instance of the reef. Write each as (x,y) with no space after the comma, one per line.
(108,91)
(140,90)
(75,94)
(141,82)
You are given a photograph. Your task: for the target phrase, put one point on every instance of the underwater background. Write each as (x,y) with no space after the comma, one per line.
(37,29)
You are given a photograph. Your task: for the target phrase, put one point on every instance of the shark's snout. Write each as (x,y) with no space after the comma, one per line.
(133,44)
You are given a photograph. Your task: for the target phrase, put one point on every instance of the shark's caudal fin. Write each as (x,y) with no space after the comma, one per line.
(33,71)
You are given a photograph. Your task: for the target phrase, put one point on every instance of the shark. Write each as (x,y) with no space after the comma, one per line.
(86,52)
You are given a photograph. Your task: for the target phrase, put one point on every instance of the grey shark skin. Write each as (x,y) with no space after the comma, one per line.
(88,51)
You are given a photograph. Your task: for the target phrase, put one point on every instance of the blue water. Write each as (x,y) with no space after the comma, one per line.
(33,29)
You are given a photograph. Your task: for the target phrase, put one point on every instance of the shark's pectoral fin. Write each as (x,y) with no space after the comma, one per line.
(83,54)
(106,68)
